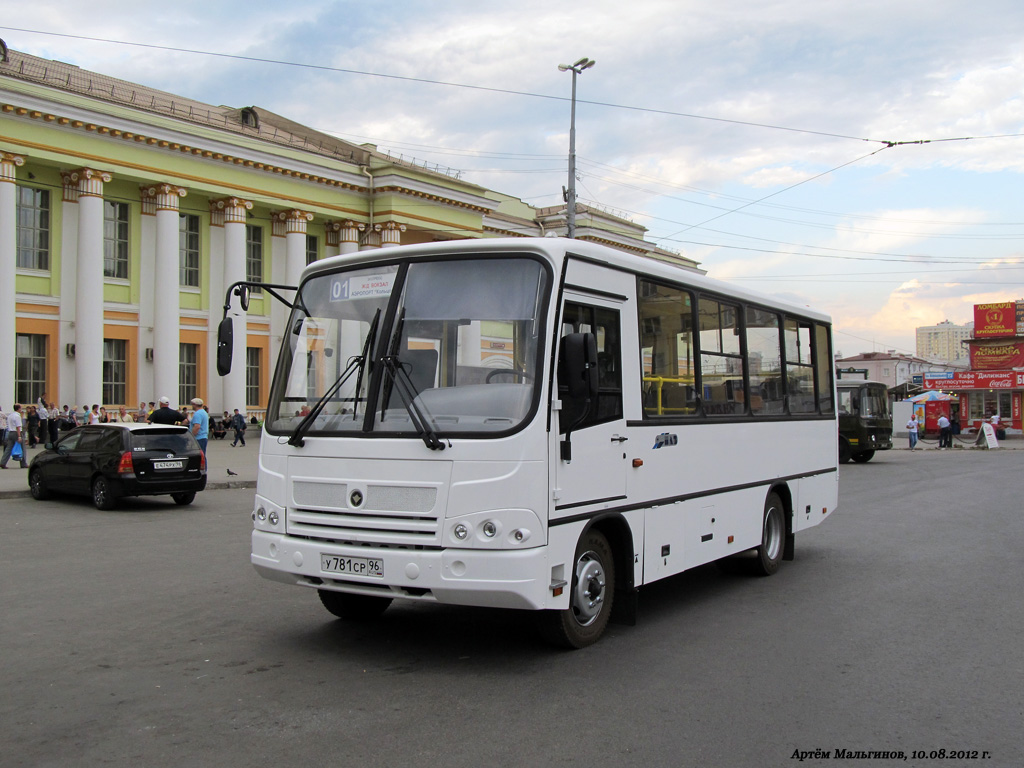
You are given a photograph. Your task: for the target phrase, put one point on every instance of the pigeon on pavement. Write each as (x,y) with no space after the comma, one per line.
(232,473)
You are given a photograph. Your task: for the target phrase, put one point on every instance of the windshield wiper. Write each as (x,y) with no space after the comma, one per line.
(356,363)
(407,394)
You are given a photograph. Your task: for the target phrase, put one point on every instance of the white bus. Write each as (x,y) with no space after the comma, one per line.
(541,424)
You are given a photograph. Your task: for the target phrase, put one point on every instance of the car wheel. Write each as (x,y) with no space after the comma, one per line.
(181,499)
(590,600)
(102,494)
(773,537)
(37,486)
(354,607)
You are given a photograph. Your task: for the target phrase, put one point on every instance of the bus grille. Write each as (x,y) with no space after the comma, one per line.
(398,515)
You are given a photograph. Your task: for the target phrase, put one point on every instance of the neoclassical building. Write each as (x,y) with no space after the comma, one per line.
(126,212)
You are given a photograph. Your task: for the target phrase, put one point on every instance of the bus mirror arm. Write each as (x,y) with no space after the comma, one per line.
(225,331)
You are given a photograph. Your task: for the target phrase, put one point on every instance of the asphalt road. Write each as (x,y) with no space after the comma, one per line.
(143,637)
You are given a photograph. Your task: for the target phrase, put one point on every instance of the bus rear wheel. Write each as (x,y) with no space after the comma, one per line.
(592,593)
(354,607)
(773,537)
(863,456)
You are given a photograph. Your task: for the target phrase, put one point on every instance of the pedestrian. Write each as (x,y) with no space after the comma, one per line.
(15,436)
(123,417)
(104,418)
(945,433)
(94,414)
(54,424)
(219,427)
(142,415)
(44,417)
(238,424)
(912,430)
(200,423)
(32,426)
(165,414)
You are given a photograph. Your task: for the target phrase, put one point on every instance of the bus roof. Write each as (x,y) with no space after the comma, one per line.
(555,250)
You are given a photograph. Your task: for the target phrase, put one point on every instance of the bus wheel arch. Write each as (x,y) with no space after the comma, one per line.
(620,537)
(785,496)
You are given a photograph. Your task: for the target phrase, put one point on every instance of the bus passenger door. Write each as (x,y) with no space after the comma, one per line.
(590,466)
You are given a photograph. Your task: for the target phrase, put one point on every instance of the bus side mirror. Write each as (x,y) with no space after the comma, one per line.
(225,346)
(243,292)
(581,365)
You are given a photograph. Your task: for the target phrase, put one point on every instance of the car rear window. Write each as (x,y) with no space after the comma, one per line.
(175,441)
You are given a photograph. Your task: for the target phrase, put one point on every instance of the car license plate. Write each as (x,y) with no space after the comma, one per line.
(168,464)
(353,566)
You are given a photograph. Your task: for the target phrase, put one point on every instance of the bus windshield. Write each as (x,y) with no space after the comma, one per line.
(428,348)
(874,402)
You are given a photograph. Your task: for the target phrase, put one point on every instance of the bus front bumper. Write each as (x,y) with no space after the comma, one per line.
(494,578)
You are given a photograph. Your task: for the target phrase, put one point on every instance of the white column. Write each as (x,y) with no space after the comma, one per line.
(373,238)
(333,245)
(89,286)
(166,305)
(8,266)
(391,234)
(234,210)
(350,236)
(295,238)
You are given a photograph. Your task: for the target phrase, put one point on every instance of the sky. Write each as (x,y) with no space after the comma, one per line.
(762,138)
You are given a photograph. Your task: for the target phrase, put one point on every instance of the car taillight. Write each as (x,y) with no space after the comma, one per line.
(202,461)
(125,466)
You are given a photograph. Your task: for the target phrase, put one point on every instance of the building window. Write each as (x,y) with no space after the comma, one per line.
(312,249)
(188,250)
(115,243)
(188,372)
(252,377)
(254,255)
(115,371)
(30,368)
(33,228)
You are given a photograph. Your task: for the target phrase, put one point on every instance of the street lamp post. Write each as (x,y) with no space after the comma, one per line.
(570,196)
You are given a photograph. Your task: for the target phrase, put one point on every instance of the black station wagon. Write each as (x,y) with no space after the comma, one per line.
(108,461)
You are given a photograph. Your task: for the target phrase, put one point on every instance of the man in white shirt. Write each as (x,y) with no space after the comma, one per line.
(15,434)
(945,433)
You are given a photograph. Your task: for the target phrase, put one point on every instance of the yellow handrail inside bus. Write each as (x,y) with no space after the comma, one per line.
(661,381)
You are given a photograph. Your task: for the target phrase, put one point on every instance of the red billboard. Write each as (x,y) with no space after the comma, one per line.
(999,319)
(997,357)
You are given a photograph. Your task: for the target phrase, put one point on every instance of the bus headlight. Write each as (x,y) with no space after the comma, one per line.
(495,529)
(267,516)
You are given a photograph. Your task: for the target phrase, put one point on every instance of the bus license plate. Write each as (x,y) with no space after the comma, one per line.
(168,464)
(352,566)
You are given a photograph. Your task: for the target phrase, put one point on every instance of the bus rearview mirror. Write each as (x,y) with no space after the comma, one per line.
(581,365)
(225,346)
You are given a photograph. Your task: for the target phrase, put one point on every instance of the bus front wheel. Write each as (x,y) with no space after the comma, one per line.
(844,451)
(591,597)
(354,607)
(773,537)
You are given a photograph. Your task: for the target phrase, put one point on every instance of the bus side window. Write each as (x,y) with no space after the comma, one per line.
(604,324)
